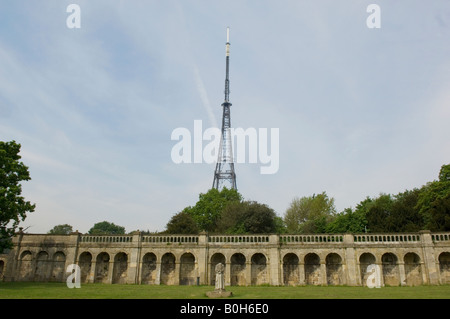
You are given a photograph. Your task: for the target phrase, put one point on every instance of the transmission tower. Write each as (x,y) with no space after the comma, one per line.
(224,174)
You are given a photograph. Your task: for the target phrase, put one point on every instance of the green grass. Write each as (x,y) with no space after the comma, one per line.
(32,290)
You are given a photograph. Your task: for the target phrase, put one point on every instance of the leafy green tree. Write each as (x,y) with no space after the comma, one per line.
(13,206)
(395,213)
(63,229)
(106,228)
(209,207)
(379,214)
(309,214)
(247,217)
(351,220)
(405,216)
(348,221)
(182,223)
(433,202)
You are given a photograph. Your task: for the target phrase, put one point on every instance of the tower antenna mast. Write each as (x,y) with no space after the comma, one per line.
(224,173)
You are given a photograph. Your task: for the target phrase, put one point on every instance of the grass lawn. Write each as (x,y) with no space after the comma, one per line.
(34,290)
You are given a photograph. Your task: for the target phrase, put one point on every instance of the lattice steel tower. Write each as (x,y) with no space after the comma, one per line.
(224,174)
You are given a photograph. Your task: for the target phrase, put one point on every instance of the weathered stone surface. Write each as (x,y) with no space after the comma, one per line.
(340,259)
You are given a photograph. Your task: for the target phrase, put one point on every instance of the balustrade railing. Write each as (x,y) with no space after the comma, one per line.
(386,238)
(106,238)
(169,239)
(286,239)
(238,239)
(263,239)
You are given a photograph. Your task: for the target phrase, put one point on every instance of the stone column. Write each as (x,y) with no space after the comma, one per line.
(111,270)
(227,273)
(177,272)
(248,272)
(423,270)
(323,273)
(402,273)
(351,269)
(134,257)
(158,272)
(301,273)
(429,257)
(202,258)
(380,270)
(274,261)
(91,275)
(13,270)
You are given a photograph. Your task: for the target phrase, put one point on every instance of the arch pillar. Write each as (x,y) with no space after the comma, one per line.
(177,272)
(111,270)
(401,270)
(158,271)
(301,272)
(423,269)
(323,272)
(227,273)
(248,271)
(380,268)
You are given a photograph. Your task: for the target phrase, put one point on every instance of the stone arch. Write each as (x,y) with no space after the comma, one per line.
(25,266)
(58,269)
(102,268)
(187,269)
(238,266)
(148,269)
(334,269)
(85,263)
(312,269)
(444,267)
(42,269)
(120,269)
(217,258)
(391,274)
(365,260)
(413,271)
(168,269)
(291,269)
(259,272)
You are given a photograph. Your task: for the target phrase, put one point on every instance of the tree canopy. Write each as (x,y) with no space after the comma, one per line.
(225,211)
(13,207)
(247,217)
(106,228)
(63,229)
(427,207)
(209,207)
(182,223)
(309,214)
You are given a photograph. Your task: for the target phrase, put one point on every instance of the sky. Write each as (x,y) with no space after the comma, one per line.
(360,111)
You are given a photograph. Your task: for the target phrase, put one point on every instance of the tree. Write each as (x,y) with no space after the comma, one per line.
(247,217)
(64,229)
(379,214)
(405,215)
(309,214)
(106,228)
(209,207)
(13,207)
(182,223)
(351,220)
(433,202)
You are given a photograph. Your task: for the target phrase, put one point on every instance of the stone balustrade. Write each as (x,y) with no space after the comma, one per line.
(275,259)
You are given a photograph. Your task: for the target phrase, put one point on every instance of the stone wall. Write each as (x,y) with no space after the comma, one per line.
(340,259)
